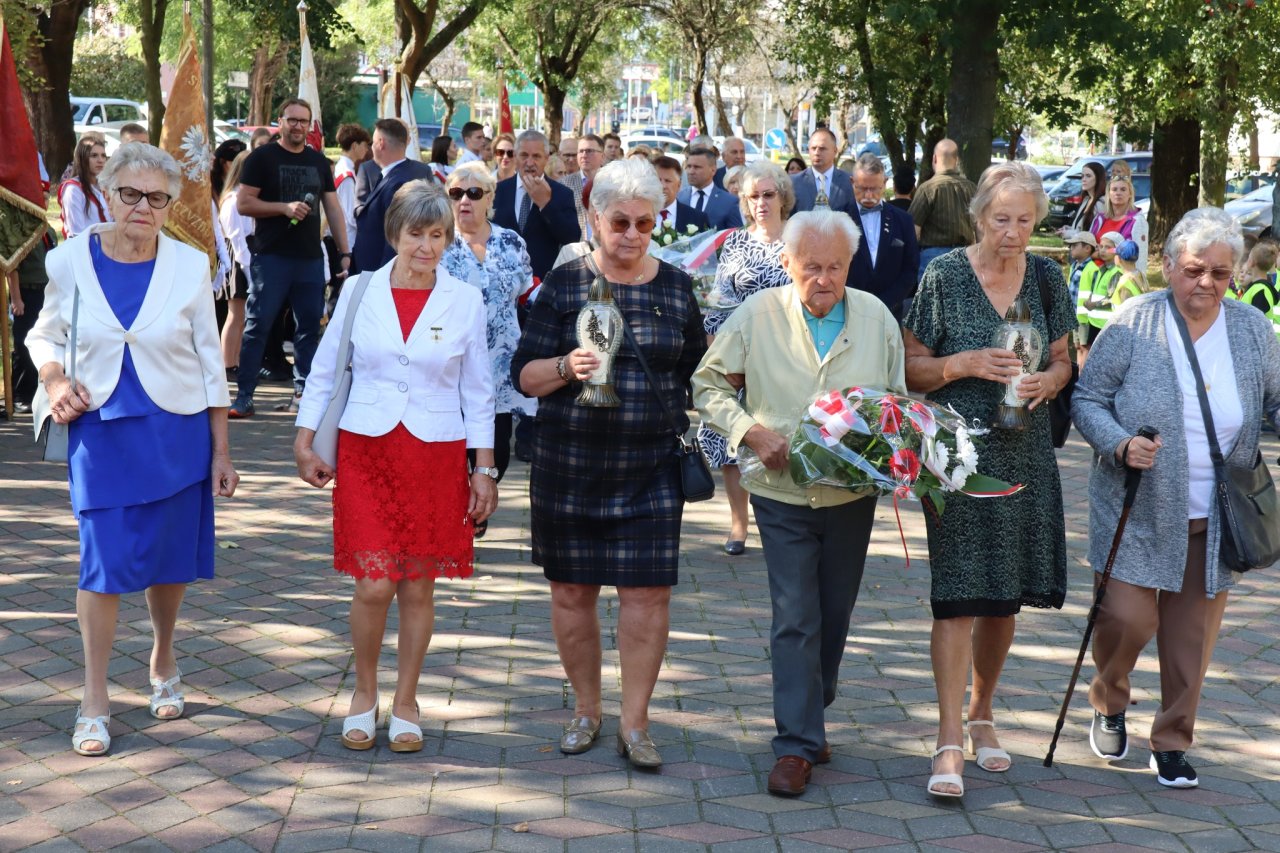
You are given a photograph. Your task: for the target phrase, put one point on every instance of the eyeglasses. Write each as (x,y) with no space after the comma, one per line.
(590,151)
(473,193)
(1218,274)
(644,225)
(505,152)
(767,195)
(130,196)
(297,122)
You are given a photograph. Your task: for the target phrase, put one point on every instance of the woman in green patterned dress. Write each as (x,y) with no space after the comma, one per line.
(990,557)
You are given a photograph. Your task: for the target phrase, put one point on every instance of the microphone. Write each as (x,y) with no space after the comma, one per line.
(309,200)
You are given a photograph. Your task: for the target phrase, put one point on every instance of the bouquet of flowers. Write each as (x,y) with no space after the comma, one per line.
(697,254)
(870,438)
(666,234)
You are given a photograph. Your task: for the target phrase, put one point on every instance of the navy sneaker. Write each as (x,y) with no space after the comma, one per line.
(1172,769)
(241,408)
(1108,737)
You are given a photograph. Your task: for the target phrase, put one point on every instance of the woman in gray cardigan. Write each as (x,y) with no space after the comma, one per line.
(1168,580)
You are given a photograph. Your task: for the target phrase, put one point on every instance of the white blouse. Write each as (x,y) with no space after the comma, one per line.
(1213,351)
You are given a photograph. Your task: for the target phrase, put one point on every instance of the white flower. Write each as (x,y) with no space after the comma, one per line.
(691,230)
(965,450)
(667,239)
(941,454)
(197,158)
(959,476)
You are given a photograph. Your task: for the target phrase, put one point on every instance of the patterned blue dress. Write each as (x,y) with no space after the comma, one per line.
(746,266)
(503,277)
(140,479)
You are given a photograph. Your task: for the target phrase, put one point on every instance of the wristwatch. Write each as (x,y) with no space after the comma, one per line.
(488,472)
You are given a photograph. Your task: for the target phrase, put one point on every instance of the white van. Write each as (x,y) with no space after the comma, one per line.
(92,111)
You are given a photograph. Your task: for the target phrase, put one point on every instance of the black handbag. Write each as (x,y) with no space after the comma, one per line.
(1246,497)
(1059,406)
(696,481)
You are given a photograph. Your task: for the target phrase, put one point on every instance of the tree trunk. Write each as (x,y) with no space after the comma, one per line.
(975,71)
(581,128)
(722,115)
(49,108)
(1217,117)
(699,77)
(553,113)
(935,124)
(880,105)
(150,35)
(1175,162)
(268,62)
(450,103)
(415,26)
(1255,157)
(1014,138)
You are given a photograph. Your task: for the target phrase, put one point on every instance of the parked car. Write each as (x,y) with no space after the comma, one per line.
(96,111)
(1242,185)
(753,151)
(1000,148)
(671,147)
(1050,175)
(641,113)
(1066,195)
(1253,213)
(657,130)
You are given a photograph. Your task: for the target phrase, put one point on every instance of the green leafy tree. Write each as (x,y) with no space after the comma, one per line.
(107,67)
(49,34)
(426,30)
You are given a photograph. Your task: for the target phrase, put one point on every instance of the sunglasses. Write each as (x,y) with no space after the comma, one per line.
(767,195)
(644,225)
(505,152)
(473,193)
(1218,274)
(157,199)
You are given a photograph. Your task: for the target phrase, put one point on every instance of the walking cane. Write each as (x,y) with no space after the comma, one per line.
(1132,478)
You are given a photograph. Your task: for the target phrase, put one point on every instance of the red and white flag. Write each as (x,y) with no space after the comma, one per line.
(22,212)
(504,122)
(308,90)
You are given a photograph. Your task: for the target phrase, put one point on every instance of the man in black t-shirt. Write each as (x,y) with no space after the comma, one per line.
(280,187)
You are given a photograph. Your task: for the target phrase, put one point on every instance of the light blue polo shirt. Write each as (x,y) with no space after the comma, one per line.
(825,329)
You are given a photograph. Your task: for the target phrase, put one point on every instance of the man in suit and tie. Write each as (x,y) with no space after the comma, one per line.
(822,181)
(676,214)
(719,206)
(734,153)
(390,141)
(888,254)
(539,210)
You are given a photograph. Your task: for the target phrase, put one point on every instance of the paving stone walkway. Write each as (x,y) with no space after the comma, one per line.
(257,764)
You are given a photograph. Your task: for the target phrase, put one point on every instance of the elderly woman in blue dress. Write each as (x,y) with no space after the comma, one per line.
(750,261)
(148,416)
(493,260)
(1169,580)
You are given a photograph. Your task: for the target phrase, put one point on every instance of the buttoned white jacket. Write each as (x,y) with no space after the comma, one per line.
(174,338)
(438,383)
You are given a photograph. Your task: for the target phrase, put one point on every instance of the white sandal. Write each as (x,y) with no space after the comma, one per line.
(946,778)
(988,753)
(164,694)
(399,727)
(95,728)
(366,724)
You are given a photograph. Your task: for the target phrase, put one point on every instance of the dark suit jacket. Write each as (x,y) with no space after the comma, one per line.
(687,215)
(897,259)
(372,250)
(839,196)
(368,176)
(718,178)
(547,229)
(721,208)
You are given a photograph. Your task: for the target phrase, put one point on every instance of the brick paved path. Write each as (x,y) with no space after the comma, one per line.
(257,764)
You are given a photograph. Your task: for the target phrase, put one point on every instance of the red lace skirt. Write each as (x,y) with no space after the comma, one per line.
(400,507)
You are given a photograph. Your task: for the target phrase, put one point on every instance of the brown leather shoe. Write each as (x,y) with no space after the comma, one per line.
(824,755)
(789,776)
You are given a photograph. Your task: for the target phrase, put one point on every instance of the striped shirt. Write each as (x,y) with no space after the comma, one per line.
(940,207)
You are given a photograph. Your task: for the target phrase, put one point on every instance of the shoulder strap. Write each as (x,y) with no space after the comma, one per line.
(75,321)
(344,343)
(1215,452)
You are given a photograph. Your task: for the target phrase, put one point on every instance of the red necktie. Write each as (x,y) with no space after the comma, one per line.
(664,215)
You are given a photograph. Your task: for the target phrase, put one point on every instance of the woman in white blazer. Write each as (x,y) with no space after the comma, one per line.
(404,505)
(148,416)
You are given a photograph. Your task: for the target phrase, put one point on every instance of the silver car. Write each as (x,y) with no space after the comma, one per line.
(1253,212)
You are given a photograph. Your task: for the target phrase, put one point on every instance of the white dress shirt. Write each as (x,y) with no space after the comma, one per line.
(822,180)
(346,189)
(670,218)
(870,224)
(700,206)
(467,156)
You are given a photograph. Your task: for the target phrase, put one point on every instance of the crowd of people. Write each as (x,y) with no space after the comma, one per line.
(453,289)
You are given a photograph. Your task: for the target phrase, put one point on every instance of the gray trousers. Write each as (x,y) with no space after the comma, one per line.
(814,558)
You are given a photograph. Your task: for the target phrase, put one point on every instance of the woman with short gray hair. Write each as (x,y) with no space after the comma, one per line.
(493,260)
(604,490)
(148,420)
(1169,578)
(421,396)
(979,582)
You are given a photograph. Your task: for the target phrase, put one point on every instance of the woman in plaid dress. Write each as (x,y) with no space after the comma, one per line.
(605,490)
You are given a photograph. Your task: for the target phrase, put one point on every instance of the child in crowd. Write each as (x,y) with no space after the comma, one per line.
(1093,306)
(1132,281)
(1257,282)
(1081,246)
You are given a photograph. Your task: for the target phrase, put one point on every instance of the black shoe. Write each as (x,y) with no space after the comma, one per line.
(735,547)
(1172,769)
(1107,736)
(21,407)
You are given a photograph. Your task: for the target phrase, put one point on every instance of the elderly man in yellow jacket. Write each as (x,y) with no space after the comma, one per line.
(789,345)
